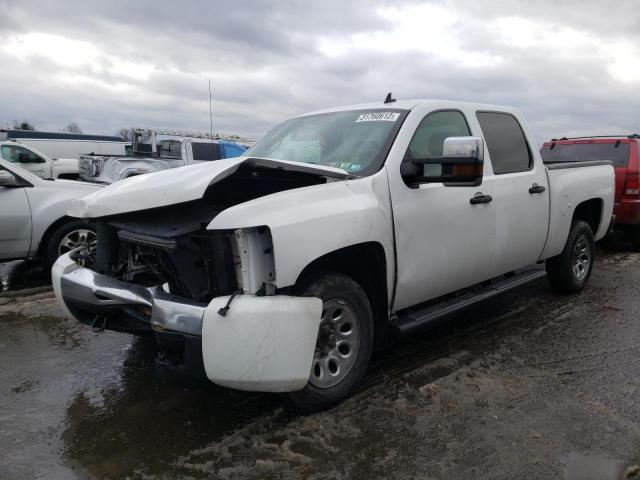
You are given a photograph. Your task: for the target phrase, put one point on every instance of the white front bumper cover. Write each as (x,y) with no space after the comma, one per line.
(263,343)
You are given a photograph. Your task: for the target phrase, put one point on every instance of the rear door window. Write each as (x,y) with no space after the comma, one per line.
(615,152)
(506,142)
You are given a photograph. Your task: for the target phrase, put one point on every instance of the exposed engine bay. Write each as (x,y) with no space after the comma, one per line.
(171,245)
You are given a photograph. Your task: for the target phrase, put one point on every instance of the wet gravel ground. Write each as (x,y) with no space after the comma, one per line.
(531,385)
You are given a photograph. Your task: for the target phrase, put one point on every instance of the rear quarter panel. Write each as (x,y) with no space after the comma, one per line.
(568,189)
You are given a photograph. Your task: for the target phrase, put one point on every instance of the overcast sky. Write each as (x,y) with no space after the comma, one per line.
(572,67)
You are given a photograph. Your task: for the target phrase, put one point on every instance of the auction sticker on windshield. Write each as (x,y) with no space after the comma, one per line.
(378,117)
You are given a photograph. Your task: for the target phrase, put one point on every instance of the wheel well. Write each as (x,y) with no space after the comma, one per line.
(49,233)
(591,212)
(68,176)
(366,264)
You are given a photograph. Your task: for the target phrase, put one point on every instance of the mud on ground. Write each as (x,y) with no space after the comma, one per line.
(530,385)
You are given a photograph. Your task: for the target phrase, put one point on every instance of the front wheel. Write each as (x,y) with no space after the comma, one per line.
(344,344)
(570,271)
(69,236)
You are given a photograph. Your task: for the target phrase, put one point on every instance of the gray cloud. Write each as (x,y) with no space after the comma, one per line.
(267,62)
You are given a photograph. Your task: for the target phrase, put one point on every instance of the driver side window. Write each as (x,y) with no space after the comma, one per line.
(16,154)
(428,140)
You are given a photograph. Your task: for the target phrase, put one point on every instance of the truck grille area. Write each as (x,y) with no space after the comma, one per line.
(170,245)
(84,167)
(194,266)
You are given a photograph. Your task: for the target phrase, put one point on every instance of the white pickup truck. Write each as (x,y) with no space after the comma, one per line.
(283,269)
(36,162)
(164,155)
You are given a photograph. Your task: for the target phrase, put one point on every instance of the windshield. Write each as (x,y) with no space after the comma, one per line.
(355,141)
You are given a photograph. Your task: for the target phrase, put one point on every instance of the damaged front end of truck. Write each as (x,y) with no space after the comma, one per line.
(210,297)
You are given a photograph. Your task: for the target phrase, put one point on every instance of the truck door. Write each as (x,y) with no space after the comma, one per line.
(15,216)
(521,192)
(27,159)
(443,242)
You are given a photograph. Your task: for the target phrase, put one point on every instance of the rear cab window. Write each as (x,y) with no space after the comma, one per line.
(506,142)
(170,148)
(615,151)
(205,151)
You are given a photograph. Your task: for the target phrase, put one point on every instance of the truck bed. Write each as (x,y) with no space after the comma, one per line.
(585,163)
(572,183)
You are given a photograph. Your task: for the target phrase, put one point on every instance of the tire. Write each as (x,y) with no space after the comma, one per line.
(67,237)
(569,272)
(344,345)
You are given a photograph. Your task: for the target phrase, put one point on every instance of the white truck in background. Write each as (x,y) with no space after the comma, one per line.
(282,269)
(177,149)
(31,160)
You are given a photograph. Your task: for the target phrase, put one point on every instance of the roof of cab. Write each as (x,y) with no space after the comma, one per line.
(411,104)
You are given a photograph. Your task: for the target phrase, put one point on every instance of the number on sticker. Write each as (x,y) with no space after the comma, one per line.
(378,117)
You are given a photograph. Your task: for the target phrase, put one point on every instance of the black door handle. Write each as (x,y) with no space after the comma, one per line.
(535,188)
(480,198)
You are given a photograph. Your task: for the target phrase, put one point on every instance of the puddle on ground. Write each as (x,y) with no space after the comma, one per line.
(591,467)
(21,274)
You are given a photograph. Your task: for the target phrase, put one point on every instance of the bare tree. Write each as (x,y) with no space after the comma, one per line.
(73,127)
(125,134)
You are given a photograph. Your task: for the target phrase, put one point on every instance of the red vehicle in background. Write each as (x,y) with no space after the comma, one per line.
(624,152)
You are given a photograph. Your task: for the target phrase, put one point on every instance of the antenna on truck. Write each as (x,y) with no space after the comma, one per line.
(210,113)
(389,99)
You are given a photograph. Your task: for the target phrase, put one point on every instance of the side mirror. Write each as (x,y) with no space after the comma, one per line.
(8,180)
(460,165)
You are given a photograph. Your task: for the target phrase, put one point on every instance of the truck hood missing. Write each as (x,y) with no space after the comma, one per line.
(185,184)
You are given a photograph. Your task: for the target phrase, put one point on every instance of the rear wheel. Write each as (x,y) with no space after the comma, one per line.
(570,271)
(69,236)
(344,344)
